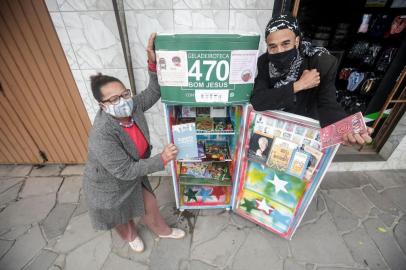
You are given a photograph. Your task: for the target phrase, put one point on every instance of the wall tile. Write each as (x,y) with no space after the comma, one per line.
(202,21)
(201,4)
(85,5)
(251,4)
(147,4)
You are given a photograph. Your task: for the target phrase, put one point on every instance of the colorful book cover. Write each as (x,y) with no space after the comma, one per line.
(298,163)
(188,112)
(223,125)
(333,134)
(314,160)
(281,153)
(204,123)
(259,147)
(216,151)
(184,137)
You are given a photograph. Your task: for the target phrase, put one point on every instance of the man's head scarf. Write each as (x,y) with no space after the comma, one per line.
(285,21)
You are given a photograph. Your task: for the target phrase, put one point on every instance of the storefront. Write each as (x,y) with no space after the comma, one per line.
(368,39)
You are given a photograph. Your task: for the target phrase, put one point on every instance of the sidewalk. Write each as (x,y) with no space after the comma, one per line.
(357,221)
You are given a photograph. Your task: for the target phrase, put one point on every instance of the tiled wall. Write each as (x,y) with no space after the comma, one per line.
(89,36)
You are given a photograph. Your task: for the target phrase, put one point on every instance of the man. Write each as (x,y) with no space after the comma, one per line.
(296,77)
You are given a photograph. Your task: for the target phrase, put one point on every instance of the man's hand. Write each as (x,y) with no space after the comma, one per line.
(151,48)
(308,80)
(360,139)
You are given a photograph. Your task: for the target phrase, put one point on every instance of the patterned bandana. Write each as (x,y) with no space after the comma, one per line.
(305,49)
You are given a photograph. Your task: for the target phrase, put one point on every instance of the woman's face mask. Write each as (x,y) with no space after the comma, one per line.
(283,60)
(123,108)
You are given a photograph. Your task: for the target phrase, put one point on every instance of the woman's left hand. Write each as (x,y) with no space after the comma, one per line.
(151,48)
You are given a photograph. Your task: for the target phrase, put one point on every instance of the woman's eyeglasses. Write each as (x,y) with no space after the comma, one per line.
(116,99)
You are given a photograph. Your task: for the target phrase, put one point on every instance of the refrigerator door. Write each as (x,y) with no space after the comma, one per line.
(281,166)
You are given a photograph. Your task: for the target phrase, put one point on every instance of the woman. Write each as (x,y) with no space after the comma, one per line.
(115,180)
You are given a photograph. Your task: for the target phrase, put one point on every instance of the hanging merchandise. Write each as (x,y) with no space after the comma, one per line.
(363,28)
(380,24)
(358,50)
(369,86)
(398,25)
(385,59)
(372,54)
(354,80)
(345,73)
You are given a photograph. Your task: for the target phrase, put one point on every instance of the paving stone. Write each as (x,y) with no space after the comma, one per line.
(5,246)
(15,232)
(218,251)
(400,233)
(59,263)
(198,265)
(82,206)
(320,243)
(343,219)
(255,252)
(15,170)
(339,180)
(44,260)
(168,253)
(364,250)
(315,209)
(381,202)
(115,262)
(21,252)
(353,200)
(386,179)
(290,264)
(30,210)
(47,170)
(386,243)
(7,183)
(40,186)
(91,255)
(387,218)
(70,189)
(213,212)
(73,170)
(396,195)
(241,222)
(57,220)
(337,268)
(174,218)
(11,194)
(209,227)
(78,232)
(280,245)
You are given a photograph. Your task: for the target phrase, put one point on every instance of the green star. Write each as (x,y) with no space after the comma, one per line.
(249,205)
(191,195)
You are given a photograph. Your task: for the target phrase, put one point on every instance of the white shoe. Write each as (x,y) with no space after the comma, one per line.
(175,234)
(137,245)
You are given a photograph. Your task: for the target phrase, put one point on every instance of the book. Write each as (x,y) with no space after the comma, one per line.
(298,163)
(197,173)
(223,125)
(204,123)
(216,151)
(333,134)
(281,153)
(184,137)
(259,147)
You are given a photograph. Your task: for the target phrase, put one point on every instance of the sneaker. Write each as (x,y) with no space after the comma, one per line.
(175,234)
(137,245)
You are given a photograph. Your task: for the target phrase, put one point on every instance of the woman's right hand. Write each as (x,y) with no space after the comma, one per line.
(169,153)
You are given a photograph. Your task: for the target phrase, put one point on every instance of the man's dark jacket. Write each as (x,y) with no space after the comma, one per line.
(318,103)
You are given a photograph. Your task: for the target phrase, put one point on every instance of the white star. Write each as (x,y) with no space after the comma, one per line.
(261,205)
(279,184)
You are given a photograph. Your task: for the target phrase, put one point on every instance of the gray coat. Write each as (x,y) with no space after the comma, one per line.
(114,173)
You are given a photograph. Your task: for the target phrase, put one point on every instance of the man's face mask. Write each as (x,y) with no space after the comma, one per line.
(282,61)
(123,108)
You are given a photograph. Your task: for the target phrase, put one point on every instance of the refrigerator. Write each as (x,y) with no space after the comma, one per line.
(263,166)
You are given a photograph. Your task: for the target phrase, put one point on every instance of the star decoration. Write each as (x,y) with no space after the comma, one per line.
(278,184)
(191,195)
(218,192)
(249,205)
(205,193)
(263,206)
